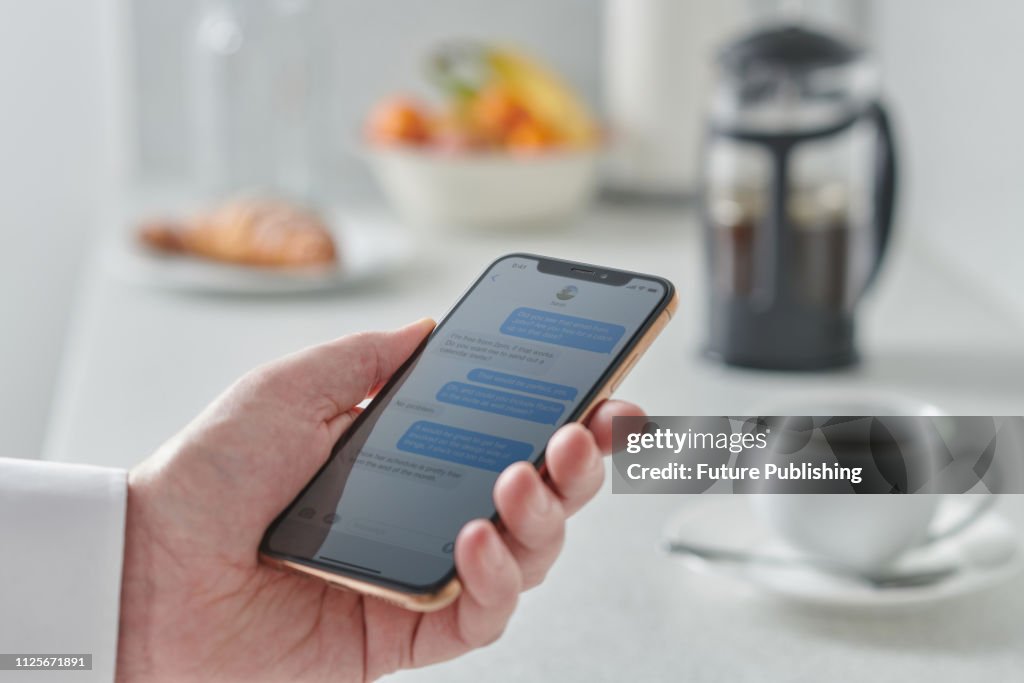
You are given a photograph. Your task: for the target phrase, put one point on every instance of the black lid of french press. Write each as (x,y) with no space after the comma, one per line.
(789,47)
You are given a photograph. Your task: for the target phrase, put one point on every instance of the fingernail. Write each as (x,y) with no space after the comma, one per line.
(423,322)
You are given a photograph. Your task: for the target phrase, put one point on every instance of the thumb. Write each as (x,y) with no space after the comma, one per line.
(260,442)
(334,377)
(314,388)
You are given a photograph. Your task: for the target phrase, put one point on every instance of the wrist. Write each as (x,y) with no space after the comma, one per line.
(134,656)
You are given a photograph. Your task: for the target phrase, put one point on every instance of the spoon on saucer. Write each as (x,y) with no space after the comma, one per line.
(981,551)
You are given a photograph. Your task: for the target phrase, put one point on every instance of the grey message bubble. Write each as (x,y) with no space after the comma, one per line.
(418,407)
(485,350)
(409,467)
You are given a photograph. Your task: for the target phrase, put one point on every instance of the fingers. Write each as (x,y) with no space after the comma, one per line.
(494,567)
(574,453)
(534,520)
(533,511)
(490,580)
(600,422)
(335,376)
(574,466)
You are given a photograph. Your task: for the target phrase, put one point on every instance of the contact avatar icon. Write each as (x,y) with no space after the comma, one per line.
(568,292)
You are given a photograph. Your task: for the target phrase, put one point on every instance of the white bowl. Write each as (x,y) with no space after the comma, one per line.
(485,190)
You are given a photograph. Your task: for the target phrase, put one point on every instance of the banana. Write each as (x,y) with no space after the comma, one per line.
(545,95)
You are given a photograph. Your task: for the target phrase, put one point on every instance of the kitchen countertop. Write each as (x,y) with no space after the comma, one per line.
(141,362)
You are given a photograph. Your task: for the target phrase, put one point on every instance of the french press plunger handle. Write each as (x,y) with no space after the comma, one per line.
(885,183)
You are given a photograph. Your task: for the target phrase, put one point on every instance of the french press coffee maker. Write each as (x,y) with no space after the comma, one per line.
(799,187)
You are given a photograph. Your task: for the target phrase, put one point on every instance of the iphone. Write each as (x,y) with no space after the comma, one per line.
(533,344)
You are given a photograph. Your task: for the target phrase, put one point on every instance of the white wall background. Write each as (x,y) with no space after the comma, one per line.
(955,73)
(53,175)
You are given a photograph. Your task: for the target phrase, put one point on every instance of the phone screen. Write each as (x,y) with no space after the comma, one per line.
(519,356)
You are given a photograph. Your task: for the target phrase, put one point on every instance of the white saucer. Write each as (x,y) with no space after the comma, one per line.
(368,248)
(726,521)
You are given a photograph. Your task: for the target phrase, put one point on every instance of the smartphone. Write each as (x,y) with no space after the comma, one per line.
(533,344)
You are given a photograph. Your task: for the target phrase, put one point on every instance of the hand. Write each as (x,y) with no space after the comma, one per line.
(196,604)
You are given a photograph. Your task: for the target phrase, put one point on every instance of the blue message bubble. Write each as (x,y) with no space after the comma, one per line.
(523,384)
(563,330)
(500,402)
(462,446)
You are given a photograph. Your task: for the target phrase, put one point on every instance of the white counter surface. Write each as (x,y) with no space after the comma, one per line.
(140,363)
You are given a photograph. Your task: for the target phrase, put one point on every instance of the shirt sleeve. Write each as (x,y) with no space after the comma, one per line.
(61,551)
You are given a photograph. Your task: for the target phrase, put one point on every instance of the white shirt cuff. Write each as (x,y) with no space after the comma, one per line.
(61,552)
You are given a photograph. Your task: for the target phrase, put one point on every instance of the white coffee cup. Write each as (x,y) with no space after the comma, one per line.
(865,532)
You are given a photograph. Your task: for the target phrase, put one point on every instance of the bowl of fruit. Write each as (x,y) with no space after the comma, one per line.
(508,145)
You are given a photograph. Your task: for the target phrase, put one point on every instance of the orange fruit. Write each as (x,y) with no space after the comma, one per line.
(529,136)
(495,112)
(399,120)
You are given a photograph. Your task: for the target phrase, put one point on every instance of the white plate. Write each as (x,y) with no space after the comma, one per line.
(368,248)
(726,521)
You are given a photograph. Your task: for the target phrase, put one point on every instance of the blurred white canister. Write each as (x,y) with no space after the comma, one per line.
(657,77)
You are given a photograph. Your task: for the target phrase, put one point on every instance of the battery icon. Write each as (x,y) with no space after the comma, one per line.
(651,289)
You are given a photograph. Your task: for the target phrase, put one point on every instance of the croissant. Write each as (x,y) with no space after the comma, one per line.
(254,232)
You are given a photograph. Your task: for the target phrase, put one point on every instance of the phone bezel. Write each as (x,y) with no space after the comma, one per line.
(547,265)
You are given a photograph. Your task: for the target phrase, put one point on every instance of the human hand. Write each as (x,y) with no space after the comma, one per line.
(196,604)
